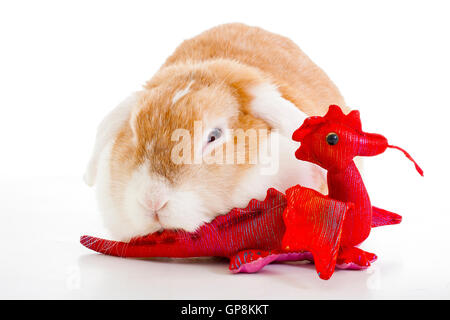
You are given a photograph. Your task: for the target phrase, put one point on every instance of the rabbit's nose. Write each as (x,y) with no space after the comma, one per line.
(154,202)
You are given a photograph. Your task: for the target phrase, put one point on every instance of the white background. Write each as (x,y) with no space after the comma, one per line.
(64,64)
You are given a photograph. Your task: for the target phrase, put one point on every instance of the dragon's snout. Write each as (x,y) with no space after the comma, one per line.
(372,144)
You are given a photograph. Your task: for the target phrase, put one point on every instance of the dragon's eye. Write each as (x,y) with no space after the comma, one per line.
(332,138)
(214,135)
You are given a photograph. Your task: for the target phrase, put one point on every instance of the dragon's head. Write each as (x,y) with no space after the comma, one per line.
(332,141)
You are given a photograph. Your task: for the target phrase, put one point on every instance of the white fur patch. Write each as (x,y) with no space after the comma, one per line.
(269,105)
(107,131)
(290,172)
(283,115)
(181,93)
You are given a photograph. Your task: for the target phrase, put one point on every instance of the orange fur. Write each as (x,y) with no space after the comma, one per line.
(299,79)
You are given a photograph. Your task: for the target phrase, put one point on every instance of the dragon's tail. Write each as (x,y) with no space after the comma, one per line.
(168,243)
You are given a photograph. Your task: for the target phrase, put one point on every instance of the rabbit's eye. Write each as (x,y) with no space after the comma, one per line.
(214,135)
(332,138)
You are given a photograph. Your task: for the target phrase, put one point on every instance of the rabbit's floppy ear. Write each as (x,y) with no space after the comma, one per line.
(268,104)
(107,131)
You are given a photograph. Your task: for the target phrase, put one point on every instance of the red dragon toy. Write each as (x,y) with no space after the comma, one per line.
(301,225)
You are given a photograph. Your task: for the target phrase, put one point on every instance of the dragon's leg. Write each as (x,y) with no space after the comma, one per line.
(250,261)
(354,258)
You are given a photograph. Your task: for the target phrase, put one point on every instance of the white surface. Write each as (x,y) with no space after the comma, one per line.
(41,256)
(64,65)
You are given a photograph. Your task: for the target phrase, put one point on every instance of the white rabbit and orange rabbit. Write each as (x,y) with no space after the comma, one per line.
(228,78)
